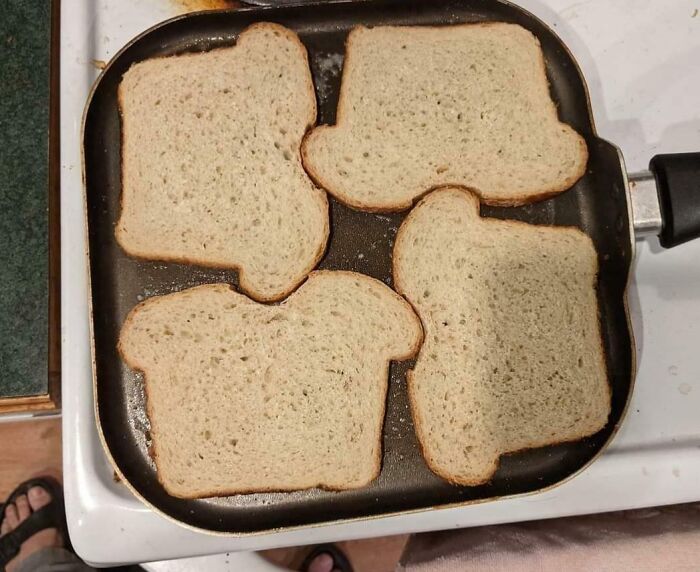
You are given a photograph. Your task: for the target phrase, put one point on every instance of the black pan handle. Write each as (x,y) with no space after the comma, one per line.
(678,185)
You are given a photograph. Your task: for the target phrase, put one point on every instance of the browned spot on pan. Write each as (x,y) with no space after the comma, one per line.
(196,5)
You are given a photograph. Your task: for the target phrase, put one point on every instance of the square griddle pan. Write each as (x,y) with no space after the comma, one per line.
(598,204)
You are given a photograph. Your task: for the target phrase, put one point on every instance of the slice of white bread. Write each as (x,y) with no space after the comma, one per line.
(513,354)
(422,107)
(211,166)
(245,397)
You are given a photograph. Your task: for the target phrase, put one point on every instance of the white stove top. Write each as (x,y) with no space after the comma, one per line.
(642,63)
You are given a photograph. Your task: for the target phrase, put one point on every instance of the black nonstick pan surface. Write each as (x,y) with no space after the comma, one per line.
(359,241)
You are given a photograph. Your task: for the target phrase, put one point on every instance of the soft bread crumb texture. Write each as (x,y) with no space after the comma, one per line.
(212,171)
(245,397)
(422,107)
(512,357)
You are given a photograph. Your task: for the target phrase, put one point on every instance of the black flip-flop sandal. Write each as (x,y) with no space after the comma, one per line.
(50,516)
(340,561)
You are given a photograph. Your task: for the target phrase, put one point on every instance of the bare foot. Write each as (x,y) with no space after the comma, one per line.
(322,563)
(19,511)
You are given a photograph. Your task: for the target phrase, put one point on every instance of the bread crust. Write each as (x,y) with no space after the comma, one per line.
(318,194)
(388,207)
(418,420)
(141,368)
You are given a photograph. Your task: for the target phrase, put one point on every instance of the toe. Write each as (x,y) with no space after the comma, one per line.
(322,563)
(11,516)
(38,497)
(4,526)
(22,505)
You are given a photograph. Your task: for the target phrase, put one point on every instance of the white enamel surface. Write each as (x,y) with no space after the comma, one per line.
(642,63)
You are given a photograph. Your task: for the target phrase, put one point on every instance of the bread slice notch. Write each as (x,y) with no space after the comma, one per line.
(422,107)
(211,165)
(513,355)
(245,397)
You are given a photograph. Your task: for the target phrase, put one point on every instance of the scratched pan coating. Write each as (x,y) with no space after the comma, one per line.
(360,242)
